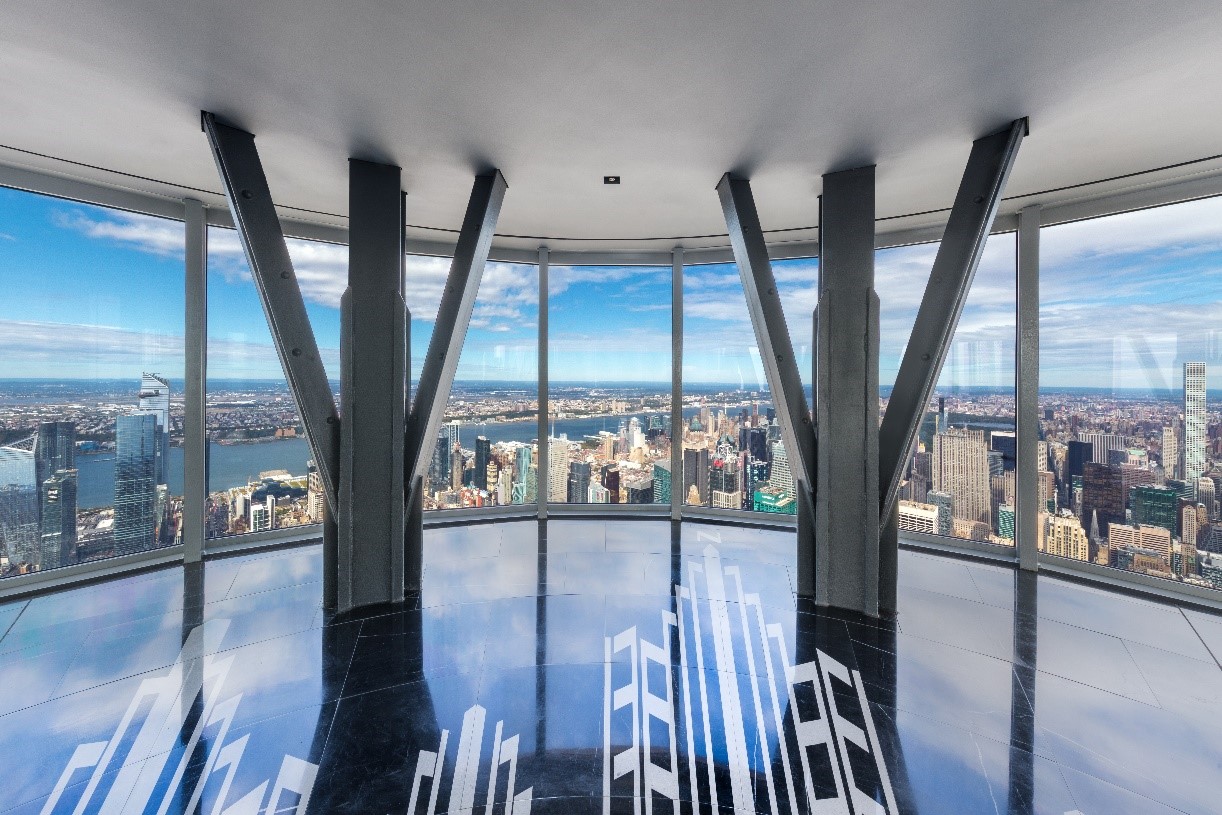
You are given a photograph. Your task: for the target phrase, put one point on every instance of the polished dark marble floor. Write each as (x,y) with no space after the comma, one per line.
(558,669)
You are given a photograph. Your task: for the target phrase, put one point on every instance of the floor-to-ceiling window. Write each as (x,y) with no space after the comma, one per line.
(486,452)
(261,474)
(1130,366)
(609,375)
(91,365)
(733,453)
(960,479)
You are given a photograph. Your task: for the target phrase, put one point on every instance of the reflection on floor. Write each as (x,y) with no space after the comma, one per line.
(605,667)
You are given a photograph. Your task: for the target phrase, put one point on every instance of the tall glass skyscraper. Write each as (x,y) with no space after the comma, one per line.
(155,400)
(18,506)
(58,522)
(1194,424)
(135,483)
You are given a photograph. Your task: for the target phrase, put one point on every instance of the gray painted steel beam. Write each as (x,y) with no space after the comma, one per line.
(971,219)
(771,332)
(453,318)
(1027,408)
(676,384)
(195,433)
(250,201)
(373,388)
(846,541)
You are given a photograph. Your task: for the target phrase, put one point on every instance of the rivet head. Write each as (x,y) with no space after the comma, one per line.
(247,194)
(331,420)
(296,352)
(284,275)
(925,357)
(979,199)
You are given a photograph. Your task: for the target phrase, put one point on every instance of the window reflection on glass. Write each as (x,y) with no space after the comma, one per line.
(1130,364)
(733,455)
(960,479)
(608,385)
(91,326)
(261,475)
(486,453)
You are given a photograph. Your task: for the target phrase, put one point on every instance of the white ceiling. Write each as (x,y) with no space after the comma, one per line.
(558,93)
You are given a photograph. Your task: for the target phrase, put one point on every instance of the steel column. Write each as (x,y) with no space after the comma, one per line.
(676,384)
(541,459)
(1027,375)
(971,219)
(254,214)
(846,542)
(195,432)
(373,392)
(771,332)
(453,319)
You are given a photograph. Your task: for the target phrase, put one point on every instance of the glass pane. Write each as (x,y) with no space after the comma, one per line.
(960,480)
(486,452)
(260,472)
(1130,308)
(91,326)
(609,385)
(733,456)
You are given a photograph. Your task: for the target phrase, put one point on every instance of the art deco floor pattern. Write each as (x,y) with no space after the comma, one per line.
(588,667)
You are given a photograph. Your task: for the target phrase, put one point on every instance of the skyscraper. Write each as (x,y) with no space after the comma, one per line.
(19,530)
(135,483)
(155,401)
(58,522)
(1155,506)
(55,467)
(315,497)
(661,482)
(1206,496)
(483,454)
(1103,496)
(960,465)
(696,472)
(1171,451)
(945,503)
(1102,444)
(557,469)
(579,482)
(439,468)
(1194,423)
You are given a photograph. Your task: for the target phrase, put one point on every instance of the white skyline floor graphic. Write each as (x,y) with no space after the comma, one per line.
(746,733)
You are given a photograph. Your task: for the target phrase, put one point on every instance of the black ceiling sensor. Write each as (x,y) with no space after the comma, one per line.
(610,179)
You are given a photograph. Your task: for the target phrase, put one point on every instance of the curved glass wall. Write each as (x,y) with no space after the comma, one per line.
(486,454)
(961,475)
(609,385)
(91,418)
(1130,367)
(261,475)
(91,332)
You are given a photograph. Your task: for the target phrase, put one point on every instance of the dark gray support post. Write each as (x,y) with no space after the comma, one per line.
(195,432)
(1027,375)
(846,397)
(771,332)
(254,214)
(676,384)
(1021,789)
(373,392)
(541,462)
(413,537)
(967,229)
(889,563)
(453,318)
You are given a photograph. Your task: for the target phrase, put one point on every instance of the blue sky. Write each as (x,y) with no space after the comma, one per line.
(95,293)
